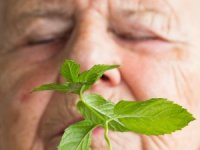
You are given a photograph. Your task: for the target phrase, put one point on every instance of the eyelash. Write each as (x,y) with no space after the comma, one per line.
(53,40)
(132,38)
(40,42)
(57,39)
(129,37)
(43,41)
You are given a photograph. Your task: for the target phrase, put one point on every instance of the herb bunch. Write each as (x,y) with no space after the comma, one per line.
(156,116)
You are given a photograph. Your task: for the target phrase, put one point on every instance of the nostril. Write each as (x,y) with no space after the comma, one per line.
(105,78)
(111,77)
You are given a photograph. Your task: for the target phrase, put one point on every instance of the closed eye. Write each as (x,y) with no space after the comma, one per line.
(41,41)
(128,37)
(45,41)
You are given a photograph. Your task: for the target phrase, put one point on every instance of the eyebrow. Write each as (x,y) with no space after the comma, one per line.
(24,20)
(161,7)
(45,13)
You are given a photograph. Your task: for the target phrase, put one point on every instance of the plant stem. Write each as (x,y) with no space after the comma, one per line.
(106,136)
(81,93)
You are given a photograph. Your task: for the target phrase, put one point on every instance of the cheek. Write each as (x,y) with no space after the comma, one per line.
(22,109)
(148,77)
(19,77)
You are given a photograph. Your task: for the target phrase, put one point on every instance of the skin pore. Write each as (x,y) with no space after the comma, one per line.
(156,44)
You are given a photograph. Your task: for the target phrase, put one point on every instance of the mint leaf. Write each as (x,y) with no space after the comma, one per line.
(99,110)
(95,73)
(152,117)
(66,87)
(70,70)
(77,136)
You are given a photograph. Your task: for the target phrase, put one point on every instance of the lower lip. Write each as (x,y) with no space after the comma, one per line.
(98,131)
(61,130)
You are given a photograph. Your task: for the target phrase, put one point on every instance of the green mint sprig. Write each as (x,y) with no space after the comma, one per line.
(156,116)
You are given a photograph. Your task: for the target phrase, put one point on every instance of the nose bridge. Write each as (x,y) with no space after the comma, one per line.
(90,44)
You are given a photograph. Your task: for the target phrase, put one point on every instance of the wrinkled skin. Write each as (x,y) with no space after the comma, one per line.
(156,44)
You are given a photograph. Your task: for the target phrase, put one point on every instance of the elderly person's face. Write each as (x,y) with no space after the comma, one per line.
(155,42)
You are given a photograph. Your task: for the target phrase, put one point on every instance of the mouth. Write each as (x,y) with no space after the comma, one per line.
(61,130)
(96,131)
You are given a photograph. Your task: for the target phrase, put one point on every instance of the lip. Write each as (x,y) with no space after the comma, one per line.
(78,117)
(97,131)
(62,128)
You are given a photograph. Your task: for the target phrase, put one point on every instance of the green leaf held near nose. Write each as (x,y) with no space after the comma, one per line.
(77,136)
(152,117)
(65,87)
(75,80)
(70,71)
(98,110)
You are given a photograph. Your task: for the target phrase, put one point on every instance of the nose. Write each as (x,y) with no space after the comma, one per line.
(90,44)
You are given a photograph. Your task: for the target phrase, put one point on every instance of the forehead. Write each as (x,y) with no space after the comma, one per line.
(16,8)
(20,8)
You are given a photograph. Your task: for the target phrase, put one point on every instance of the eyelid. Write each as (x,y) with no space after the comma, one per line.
(47,29)
(41,41)
(139,38)
(47,25)
(135,34)
(48,40)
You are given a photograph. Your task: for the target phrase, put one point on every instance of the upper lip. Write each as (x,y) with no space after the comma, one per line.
(67,122)
(62,128)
